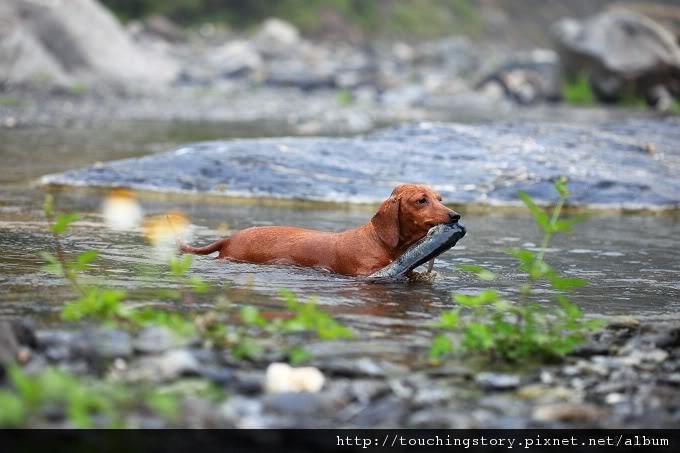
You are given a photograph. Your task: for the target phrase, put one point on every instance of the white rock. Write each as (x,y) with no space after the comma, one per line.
(282,378)
(277,32)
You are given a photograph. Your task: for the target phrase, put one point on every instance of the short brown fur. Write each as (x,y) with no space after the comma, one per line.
(402,219)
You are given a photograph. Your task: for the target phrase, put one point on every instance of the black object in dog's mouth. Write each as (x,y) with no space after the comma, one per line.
(438,239)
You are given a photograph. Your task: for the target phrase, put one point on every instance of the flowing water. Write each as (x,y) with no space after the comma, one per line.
(630,259)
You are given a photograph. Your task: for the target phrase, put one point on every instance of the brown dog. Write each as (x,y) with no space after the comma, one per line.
(402,219)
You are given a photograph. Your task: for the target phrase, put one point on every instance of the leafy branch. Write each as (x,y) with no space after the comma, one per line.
(489,323)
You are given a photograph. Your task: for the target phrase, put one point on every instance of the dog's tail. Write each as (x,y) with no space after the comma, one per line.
(208,249)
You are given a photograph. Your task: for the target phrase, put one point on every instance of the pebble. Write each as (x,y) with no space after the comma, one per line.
(282,378)
(497,381)
(624,322)
(104,343)
(154,340)
(293,403)
(614,398)
(568,412)
(177,363)
(673,379)
(544,392)
(166,367)
(361,367)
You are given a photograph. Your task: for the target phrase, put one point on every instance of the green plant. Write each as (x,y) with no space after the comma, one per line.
(88,403)
(106,304)
(416,18)
(489,323)
(577,91)
(305,317)
(215,327)
(80,400)
(344,97)
(676,107)
(309,317)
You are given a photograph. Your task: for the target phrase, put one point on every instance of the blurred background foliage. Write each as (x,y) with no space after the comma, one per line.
(418,18)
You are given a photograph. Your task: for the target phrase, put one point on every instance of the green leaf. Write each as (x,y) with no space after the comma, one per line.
(251,315)
(246,349)
(63,221)
(571,310)
(478,336)
(560,185)
(98,303)
(307,316)
(482,274)
(565,283)
(179,266)
(298,355)
(83,260)
(539,215)
(48,205)
(449,319)
(53,265)
(482,298)
(525,257)
(163,403)
(565,225)
(13,413)
(198,285)
(441,345)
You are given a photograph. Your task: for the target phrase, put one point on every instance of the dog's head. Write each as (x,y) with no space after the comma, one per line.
(407,215)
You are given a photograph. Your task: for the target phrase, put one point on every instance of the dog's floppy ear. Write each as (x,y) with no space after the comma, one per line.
(386,221)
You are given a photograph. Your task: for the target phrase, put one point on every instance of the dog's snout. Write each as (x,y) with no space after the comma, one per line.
(454,216)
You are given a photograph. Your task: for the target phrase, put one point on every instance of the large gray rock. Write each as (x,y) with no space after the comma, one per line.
(61,42)
(622,52)
(632,164)
(23,58)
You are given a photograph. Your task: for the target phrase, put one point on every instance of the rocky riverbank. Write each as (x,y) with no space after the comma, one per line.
(626,376)
(99,71)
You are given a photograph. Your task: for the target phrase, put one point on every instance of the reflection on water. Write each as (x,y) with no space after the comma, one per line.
(631,260)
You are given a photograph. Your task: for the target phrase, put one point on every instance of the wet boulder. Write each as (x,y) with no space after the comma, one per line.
(622,53)
(525,79)
(607,165)
(79,41)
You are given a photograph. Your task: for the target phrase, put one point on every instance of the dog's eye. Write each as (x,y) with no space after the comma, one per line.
(422,200)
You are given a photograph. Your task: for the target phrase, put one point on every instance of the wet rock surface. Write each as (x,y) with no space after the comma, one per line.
(608,166)
(631,382)
(51,43)
(622,52)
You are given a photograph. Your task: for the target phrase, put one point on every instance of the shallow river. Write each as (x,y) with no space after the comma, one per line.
(631,260)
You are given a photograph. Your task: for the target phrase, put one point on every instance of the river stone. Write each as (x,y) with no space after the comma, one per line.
(154,340)
(498,381)
(62,41)
(484,164)
(294,403)
(165,367)
(104,343)
(618,50)
(568,412)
